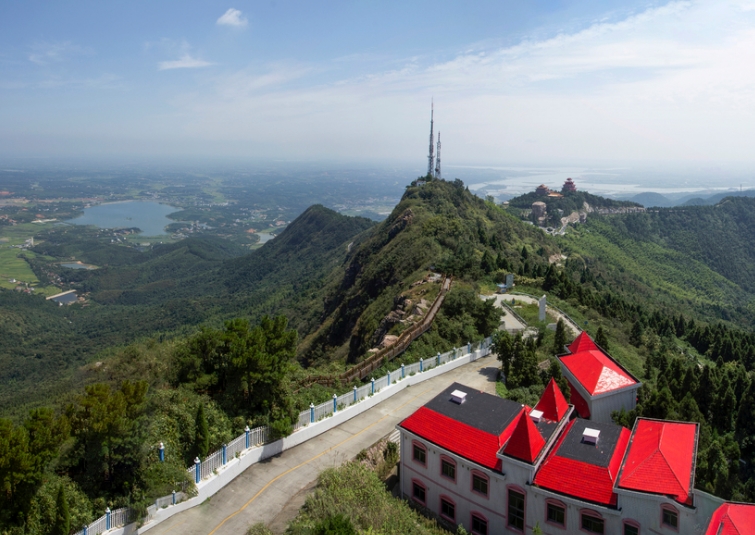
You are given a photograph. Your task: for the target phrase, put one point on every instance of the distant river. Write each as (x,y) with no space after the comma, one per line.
(148,216)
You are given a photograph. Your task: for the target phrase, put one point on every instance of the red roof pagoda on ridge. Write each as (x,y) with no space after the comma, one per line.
(552,403)
(526,442)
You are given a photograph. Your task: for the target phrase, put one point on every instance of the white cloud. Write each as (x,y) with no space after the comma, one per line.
(233,17)
(46,53)
(184,62)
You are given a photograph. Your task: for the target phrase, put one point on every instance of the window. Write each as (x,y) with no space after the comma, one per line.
(480,484)
(593,524)
(448,469)
(555,514)
(631,529)
(447,509)
(419,453)
(670,518)
(418,492)
(516,509)
(479,525)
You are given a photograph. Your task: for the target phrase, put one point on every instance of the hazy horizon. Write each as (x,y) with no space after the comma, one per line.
(609,84)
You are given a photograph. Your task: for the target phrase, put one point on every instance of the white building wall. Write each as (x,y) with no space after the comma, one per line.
(492,507)
(602,407)
(647,510)
(537,510)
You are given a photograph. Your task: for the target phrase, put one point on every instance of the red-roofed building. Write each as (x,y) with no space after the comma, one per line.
(498,467)
(733,519)
(599,385)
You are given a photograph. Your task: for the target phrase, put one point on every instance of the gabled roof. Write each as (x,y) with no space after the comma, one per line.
(732,519)
(459,438)
(582,342)
(661,459)
(552,403)
(596,372)
(526,442)
(585,471)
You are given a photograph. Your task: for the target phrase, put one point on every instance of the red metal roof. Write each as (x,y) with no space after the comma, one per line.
(732,519)
(580,479)
(583,409)
(597,372)
(583,342)
(461,439)
(552,403)
(661,459)
(526,442)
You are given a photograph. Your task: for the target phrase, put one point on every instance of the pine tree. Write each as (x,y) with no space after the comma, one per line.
(525,254)
(202,434)
(635,337)
(601,338)
(560,338)
(62,525)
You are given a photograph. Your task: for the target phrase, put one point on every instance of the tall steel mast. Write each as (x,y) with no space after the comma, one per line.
(430,157)
(437,159)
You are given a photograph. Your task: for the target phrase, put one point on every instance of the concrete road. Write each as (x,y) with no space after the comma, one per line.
(574,329)
(509,322)
(271,491)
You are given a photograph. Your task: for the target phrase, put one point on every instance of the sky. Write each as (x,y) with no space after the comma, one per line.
(525,83)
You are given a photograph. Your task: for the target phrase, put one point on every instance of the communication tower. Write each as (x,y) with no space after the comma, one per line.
(437,159)
(430,157)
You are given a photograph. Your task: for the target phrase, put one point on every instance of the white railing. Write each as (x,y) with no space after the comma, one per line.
(260,436)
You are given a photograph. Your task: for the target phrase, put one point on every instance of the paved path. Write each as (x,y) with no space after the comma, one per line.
(575,330)
(261,493)
(509,322)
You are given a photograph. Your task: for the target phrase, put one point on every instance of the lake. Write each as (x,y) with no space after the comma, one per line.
(149,216)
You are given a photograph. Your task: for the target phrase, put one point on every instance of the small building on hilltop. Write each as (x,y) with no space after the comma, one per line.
(542,190)
(599,385)
(569,186)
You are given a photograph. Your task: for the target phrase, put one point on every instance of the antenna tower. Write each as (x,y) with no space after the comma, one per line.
(430,157)
(437,159)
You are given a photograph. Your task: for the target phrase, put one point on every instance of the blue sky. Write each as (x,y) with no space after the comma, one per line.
(514,82)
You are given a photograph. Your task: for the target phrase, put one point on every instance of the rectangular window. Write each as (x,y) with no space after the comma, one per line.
(555,514)
(418,492)
(419,454)
(448,510)
(593,524)
(670,518)
(479,525)
(448,469)
(516,510)
(480,484)
(631,530)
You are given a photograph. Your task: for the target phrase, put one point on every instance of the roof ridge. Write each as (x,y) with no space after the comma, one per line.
(660,441)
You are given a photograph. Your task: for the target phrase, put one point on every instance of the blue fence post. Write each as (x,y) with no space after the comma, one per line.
(174,498)
(403,371)
(246,432)
(224,450)
(373,385)
(107,519)
(197,470)
(389,378)
(454,354)
(355,394)
(311,413)
(86,528)
(161,452)
(437,359)
(469,347)
(335,403)
(421,365)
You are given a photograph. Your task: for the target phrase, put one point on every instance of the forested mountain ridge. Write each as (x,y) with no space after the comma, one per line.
(697,257)
(163,293)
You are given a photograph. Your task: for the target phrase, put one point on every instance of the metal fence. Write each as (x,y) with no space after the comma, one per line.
(261,435)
